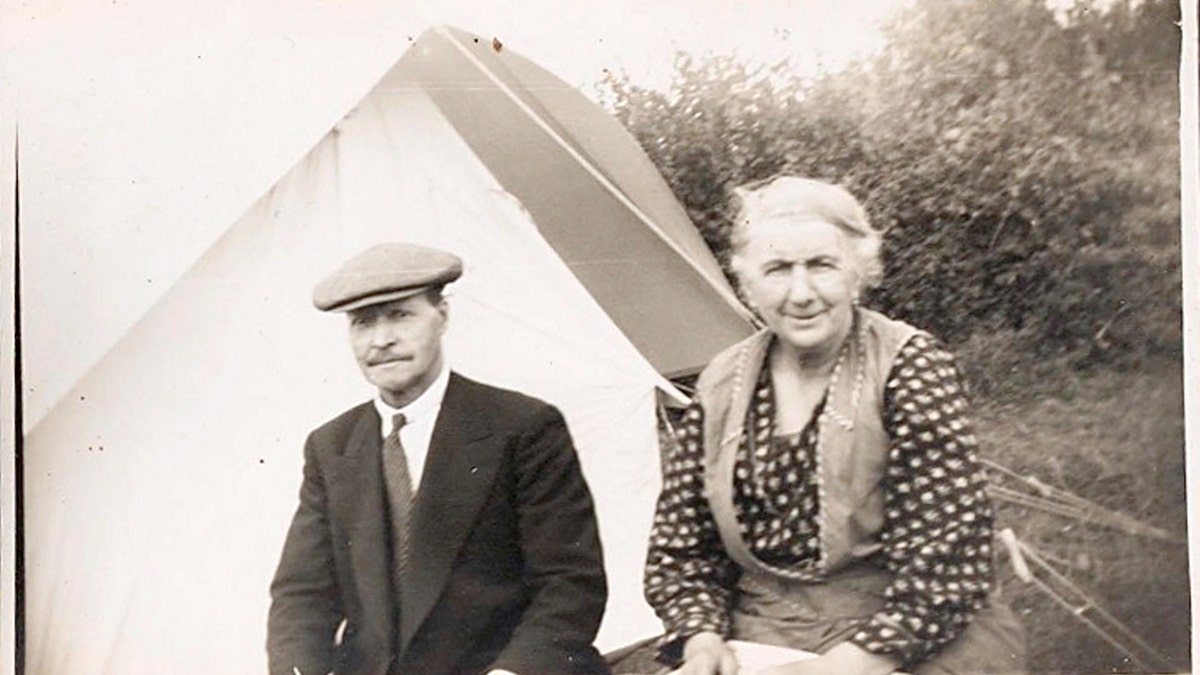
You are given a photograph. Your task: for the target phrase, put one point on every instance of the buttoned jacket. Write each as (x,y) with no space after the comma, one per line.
(505,569)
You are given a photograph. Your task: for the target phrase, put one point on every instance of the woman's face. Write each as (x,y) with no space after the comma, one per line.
(802,278)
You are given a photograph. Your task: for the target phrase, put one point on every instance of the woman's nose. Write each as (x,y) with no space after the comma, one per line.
(800,290)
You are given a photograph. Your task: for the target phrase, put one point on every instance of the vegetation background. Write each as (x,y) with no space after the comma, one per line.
(1024,163)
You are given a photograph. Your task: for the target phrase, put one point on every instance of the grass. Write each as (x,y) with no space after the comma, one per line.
(1116,439)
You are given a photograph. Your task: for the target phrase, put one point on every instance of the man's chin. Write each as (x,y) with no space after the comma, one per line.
(391,379)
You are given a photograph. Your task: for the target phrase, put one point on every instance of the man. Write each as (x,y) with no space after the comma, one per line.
(458,539)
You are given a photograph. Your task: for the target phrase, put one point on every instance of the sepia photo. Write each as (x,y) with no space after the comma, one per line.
(698,337)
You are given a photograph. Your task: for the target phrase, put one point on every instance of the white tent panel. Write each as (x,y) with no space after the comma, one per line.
(159,491)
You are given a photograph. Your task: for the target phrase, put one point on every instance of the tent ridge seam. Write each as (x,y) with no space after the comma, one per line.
(596,174)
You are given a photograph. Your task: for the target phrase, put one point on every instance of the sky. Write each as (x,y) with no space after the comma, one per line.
(146,128)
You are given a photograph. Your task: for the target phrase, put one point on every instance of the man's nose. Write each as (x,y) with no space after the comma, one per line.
(382,335)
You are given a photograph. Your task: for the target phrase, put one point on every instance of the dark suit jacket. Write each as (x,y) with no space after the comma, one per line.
(505,565)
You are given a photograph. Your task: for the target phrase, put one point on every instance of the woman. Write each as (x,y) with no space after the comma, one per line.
(824,494)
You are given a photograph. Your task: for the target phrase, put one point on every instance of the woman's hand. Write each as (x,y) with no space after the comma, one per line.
(707,654)
(845,658)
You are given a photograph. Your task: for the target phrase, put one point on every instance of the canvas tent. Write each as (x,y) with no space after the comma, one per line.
(158,491)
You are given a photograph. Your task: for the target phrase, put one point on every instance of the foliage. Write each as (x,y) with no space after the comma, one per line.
(1024,165)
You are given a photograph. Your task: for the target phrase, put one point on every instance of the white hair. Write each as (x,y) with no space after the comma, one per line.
(806,200)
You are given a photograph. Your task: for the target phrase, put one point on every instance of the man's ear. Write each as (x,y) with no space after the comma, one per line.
(443,308)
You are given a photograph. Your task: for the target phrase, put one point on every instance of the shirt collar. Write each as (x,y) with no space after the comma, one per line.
(422,408)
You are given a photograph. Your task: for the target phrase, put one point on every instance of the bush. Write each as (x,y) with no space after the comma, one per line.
(1024,166)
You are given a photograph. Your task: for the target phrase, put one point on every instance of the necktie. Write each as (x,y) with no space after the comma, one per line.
(400,498)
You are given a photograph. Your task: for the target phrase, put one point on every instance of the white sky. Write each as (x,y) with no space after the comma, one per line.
(148,127)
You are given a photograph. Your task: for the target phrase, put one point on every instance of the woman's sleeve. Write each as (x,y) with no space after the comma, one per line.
(689,578)
(937,533)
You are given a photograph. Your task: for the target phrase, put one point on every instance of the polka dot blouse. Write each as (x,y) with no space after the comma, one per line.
(937,530)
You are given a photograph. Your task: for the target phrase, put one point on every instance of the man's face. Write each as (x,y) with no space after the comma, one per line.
(398,345)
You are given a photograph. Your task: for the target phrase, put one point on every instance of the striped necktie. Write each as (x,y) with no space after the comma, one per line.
(400,498)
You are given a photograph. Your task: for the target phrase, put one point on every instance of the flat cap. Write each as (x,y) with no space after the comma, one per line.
(383,273)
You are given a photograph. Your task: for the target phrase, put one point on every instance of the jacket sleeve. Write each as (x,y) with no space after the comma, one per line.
(305,608)
(562,559)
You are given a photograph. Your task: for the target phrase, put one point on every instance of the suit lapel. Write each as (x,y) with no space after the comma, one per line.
(357,502)
(458,476)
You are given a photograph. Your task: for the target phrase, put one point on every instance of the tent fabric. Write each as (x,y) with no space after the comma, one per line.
(158,492)
(601,203)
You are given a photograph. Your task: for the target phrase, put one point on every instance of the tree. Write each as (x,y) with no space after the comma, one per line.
(1023,164)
